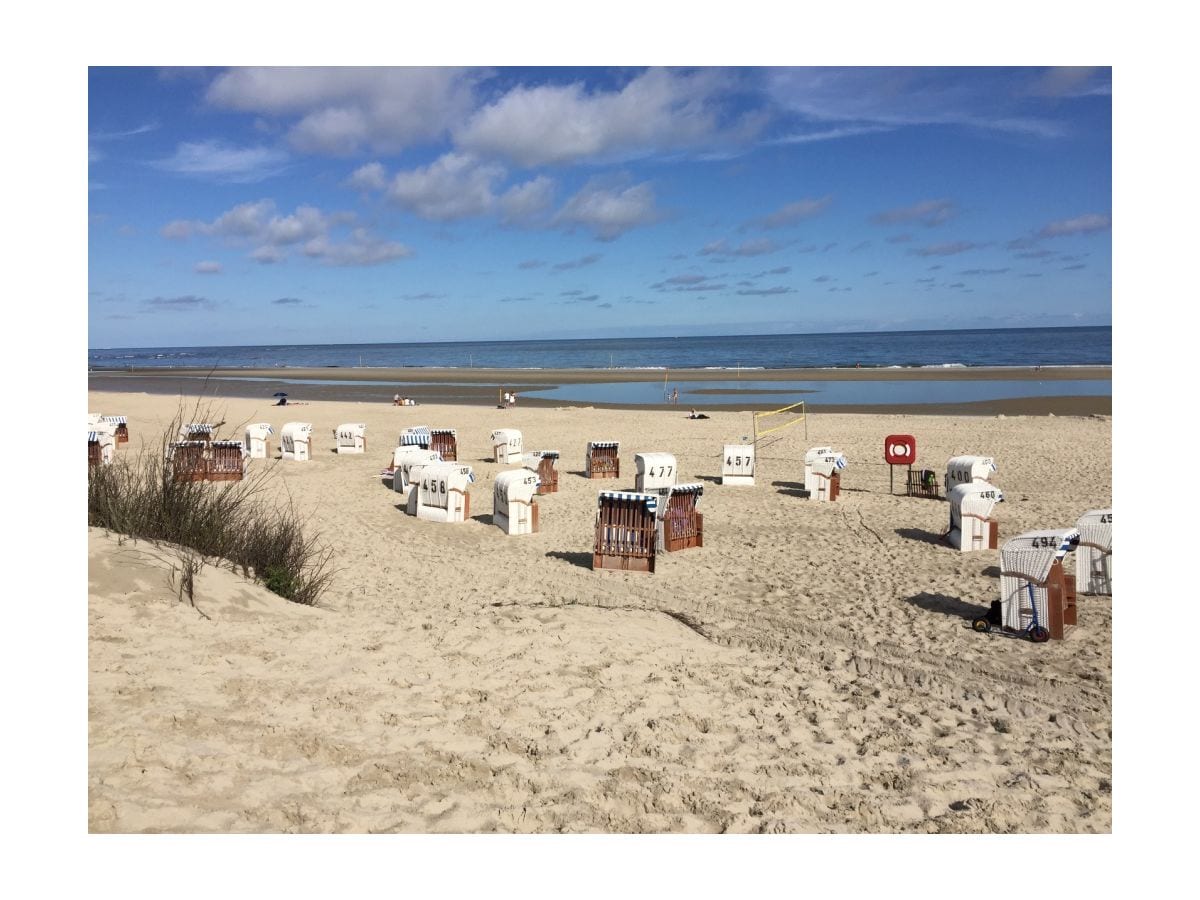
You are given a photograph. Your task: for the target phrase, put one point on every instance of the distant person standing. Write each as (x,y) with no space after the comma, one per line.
(396,400)
(675,397)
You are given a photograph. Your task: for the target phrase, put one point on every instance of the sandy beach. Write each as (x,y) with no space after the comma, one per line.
(811,668)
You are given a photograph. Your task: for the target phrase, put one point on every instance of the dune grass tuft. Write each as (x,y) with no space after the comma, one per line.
(233,520)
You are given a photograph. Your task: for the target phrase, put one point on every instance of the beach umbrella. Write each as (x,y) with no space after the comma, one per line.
(279,394)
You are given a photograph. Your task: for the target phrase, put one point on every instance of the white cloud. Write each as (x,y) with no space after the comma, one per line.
(926,212)
(658,111)
(746,248)
(609,212)
(793,213)
(371,177)
(525,203)
(346,110)
(949,248)
(221,161)
(895,97)
(455,186)
(269,234)
(362,249)
(1088,224)
(208,267)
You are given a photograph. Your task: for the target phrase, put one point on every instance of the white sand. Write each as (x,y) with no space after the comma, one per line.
(811,668)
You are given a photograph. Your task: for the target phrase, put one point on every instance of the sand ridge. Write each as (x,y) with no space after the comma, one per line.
(811,668)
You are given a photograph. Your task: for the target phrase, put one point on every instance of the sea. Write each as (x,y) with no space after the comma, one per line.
(1080,346)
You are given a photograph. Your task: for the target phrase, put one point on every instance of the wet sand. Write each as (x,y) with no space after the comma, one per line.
(482,386)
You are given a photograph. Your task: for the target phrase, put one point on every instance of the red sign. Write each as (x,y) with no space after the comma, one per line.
(900,449)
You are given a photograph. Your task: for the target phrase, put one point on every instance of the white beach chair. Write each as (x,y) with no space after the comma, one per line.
(404,459)
(824,479)
(351,438)
(257,440)
(294,441)
(1093,559)
(441,492)
(973,525)
(812,456)
(966,469)
(655,470)
(1032,576)
(508,446)
(514,501)
(737,464)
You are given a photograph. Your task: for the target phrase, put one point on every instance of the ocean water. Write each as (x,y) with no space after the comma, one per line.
(1084,346)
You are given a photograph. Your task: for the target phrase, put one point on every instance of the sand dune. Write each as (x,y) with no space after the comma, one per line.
(811,668)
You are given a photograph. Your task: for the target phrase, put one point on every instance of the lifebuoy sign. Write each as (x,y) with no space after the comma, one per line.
(900,449)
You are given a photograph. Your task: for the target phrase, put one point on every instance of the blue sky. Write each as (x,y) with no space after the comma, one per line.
(278,205)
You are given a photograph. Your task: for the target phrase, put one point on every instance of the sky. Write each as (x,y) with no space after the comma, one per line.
(344,205)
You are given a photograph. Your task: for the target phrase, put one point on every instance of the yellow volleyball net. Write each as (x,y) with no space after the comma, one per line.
(795,414)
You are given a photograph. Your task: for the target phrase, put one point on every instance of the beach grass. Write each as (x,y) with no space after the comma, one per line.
(245,522)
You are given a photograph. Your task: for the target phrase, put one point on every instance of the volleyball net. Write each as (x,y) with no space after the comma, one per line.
(794,414)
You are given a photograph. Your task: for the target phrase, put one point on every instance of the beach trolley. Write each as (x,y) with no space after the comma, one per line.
(922,483)
(966,469)
(1093,558)
(121,428)
(445,442)
(351,438)
(442,492)
(507,446)
(188,460)
(603,459)
(737,464)
(226,461)
(542,462)
(417,436)
(257,440)
(654,470)
(100,447)
(626,532)
(972,524)
(403,461)
(197,431)
(679,525)
(294,440)
(515,509)
(1037,597)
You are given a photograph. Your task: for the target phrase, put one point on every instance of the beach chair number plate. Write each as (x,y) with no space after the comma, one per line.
(661,472)
(438,491)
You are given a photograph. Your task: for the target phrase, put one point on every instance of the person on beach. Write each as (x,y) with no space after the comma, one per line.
(396,400)
(696,415)
(675,397)
(512,399)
